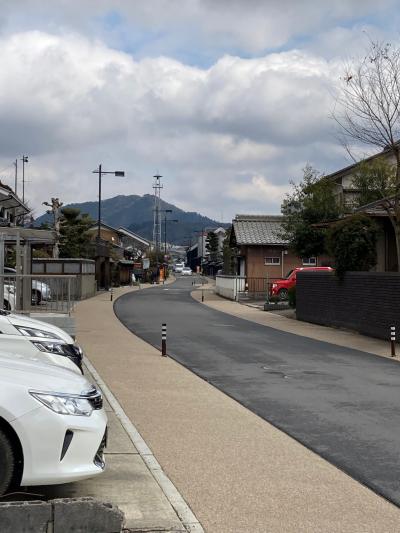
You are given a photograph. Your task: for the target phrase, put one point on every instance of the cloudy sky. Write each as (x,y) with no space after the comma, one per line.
(227,99)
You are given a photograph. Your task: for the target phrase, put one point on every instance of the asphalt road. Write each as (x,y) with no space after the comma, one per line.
(343,404)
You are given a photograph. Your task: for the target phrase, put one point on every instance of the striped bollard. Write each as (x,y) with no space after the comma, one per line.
(164,340)
(393,340)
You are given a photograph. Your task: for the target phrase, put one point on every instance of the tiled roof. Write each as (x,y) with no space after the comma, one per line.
(258,229)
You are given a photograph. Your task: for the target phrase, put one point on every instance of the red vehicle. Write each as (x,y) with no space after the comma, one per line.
(281,286)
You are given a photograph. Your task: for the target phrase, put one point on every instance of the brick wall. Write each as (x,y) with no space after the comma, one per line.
(367,302)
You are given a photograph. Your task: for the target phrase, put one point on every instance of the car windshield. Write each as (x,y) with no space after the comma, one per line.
(289,274)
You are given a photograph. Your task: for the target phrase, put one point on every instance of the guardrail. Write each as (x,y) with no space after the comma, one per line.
(29,293)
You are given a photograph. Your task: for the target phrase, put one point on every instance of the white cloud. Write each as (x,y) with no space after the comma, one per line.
(203,27)
(258,188)
(71,103)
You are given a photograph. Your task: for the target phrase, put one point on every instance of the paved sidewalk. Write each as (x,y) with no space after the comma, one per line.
(127,482)
(237,472)
(340,337)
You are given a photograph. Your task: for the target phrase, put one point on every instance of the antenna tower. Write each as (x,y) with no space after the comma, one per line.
(157,213)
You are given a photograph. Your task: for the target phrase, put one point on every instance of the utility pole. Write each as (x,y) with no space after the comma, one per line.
(24,160)
(165,227)
(16,176)
(157,215)
(99,211)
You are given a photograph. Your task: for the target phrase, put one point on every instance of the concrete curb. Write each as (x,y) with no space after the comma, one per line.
(181,508)
(82,515)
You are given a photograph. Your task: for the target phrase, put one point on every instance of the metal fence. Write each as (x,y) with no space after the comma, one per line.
(257,288)
(39,293)
(244,288)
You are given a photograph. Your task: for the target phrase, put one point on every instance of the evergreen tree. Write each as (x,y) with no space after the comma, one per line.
(212,246)
(75,238)
(352,243)
(310,203)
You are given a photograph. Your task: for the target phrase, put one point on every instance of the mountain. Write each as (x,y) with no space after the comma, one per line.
(136,213)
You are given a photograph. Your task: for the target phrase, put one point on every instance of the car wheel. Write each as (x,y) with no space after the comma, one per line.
(7,462)
(283,294)
(6,305)
(36,297)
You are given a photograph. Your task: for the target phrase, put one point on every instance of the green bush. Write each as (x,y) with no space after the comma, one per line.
(352,242)
(292,297)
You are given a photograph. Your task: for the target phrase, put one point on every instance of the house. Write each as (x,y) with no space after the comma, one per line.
(345,191)
(116,254)
(386,243)
(133,244)
(261,250)
(346,194)
(192,257)
(12,209)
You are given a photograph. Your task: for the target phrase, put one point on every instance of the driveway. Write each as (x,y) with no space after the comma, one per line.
(341,403)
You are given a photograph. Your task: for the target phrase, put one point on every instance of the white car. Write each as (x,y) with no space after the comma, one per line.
(52,425)
(179,267)
(9,297)
(40,290)
(186,271)
(44,342)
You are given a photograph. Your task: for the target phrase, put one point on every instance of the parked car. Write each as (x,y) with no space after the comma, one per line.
(281,287)
(9,297)
(52,425)
(40,290)
(33,338)
(186,271)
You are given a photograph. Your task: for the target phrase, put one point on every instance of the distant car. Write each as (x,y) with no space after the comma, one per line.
(281,287)
(186,271)
(179,267)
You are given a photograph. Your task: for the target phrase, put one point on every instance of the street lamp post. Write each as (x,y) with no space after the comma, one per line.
(165,227)
(101,172)
(202,246)
(165,231)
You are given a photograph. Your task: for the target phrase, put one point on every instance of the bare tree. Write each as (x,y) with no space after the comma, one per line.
(368,112)
(55,206)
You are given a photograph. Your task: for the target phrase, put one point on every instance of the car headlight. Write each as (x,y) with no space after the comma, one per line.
(274,285)
(33,332)
(64,404)
(59,348)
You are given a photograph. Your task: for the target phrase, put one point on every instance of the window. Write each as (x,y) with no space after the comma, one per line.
(272,261)
(309,261)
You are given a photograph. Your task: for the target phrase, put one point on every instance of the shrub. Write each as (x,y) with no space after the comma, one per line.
(352,242)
